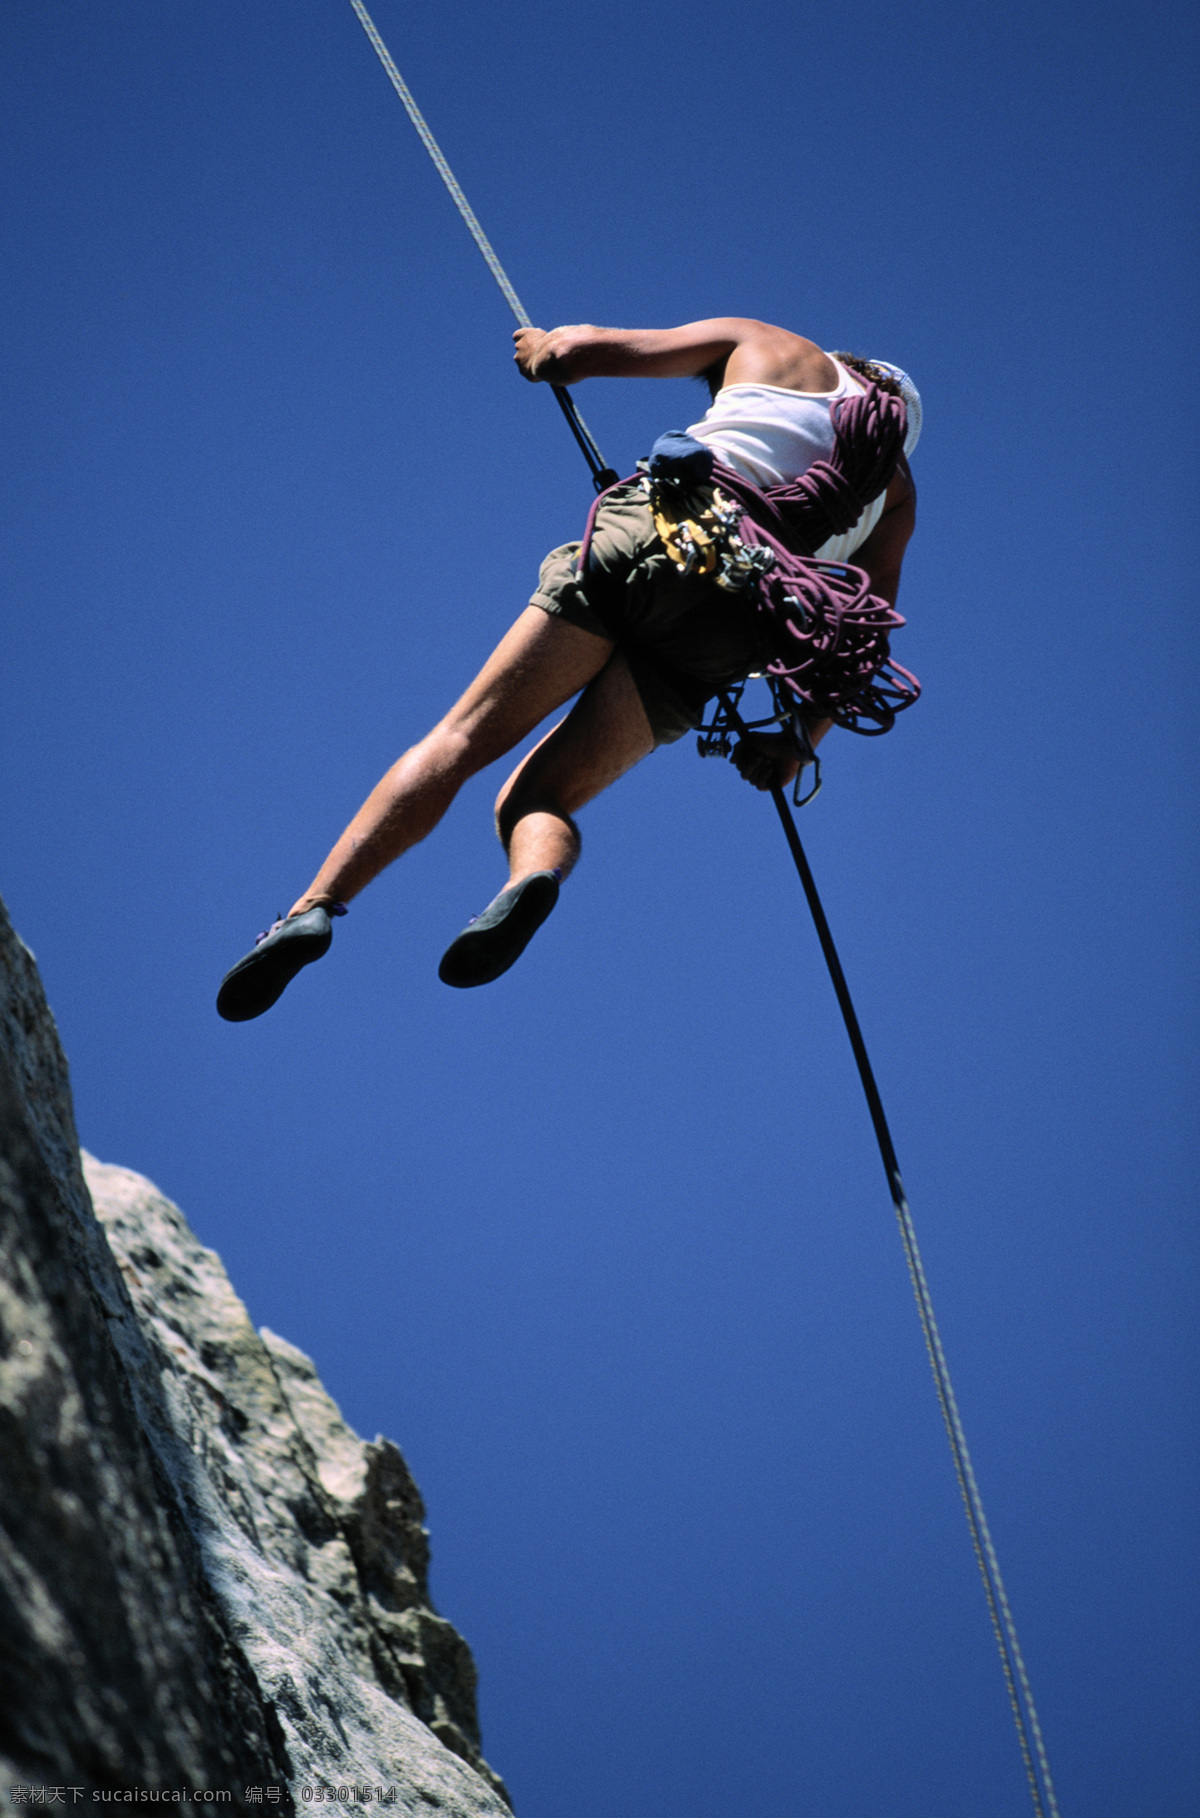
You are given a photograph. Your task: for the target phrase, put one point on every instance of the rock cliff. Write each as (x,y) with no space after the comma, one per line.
(208,1584)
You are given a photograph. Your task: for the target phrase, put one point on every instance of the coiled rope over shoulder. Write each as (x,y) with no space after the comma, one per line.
(869,431)
(829,634)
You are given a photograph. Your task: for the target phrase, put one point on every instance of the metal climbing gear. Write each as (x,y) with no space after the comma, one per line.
(698,526)
(715,738)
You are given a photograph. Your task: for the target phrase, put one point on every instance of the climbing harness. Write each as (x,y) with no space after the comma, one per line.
(826,633)
(698,527)
(697,523)
(733,530)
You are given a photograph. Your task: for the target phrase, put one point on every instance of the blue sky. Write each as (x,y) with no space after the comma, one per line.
(606,1247)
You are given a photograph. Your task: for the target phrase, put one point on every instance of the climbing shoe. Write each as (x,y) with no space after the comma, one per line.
(493,941)
(254,984)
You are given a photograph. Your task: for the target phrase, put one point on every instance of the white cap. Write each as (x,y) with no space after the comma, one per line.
(912,401)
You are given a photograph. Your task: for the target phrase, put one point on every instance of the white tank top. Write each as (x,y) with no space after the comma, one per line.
(773,435)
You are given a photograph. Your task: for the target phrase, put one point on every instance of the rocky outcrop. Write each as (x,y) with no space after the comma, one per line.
(207,1581)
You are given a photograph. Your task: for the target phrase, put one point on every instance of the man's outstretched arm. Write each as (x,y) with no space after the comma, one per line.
(748,351)
(882,555)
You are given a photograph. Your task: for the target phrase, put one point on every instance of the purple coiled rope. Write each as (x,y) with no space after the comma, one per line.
(828,634)
(832,495)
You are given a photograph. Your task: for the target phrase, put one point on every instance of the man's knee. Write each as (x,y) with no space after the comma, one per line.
(513,804)
(451,750)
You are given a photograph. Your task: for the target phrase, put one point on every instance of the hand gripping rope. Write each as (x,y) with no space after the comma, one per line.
(1020,1694)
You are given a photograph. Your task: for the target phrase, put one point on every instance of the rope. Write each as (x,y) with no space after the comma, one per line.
(1012,1661)
(602,475)
(1020,1694)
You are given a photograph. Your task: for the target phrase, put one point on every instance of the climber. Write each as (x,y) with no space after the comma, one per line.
(647,645)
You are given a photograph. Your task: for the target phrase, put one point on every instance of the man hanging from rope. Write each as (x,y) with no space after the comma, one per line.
(676,594)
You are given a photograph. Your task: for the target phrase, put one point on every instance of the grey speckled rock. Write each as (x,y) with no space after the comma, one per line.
(117,1663)
(312,1540)
(206,1579)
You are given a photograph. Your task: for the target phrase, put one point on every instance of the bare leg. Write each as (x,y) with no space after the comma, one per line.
(540,664)
(605,734)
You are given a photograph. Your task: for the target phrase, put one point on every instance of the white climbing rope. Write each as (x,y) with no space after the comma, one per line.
(1016,1679)
(445,173)
(579,429)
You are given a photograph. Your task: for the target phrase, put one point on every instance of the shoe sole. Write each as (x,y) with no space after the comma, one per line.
(489,946)
(263,975)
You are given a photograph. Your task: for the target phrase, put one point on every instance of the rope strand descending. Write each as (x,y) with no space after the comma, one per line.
(1012,1661)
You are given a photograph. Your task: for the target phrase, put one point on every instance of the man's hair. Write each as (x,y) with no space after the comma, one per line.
(874,375)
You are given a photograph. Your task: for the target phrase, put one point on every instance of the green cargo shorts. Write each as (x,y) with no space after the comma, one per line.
(683,639)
